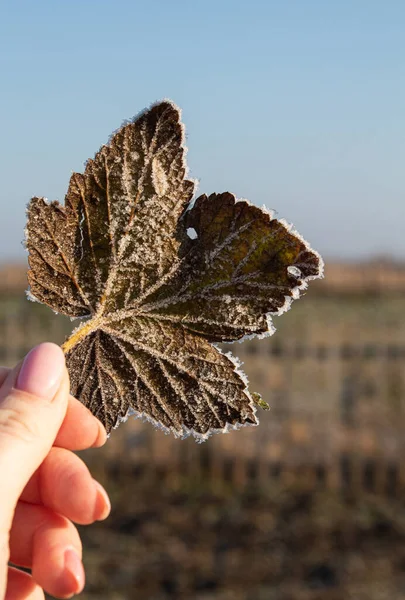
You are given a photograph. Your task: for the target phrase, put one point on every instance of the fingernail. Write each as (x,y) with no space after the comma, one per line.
(74,567)
(42,370)
(103,505)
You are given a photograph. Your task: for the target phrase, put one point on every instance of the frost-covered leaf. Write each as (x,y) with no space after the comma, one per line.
(159,280)
(161,370)
(241,266)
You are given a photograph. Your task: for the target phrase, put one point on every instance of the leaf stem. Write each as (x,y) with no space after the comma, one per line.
(81,333)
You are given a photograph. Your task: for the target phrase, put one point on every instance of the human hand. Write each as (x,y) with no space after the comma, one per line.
(45,487)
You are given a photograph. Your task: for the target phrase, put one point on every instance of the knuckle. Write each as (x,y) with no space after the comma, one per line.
(19,423)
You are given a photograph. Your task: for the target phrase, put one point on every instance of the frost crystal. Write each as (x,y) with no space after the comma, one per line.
(159,280)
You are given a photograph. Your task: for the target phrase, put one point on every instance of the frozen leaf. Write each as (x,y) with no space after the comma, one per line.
(159,280)
(241,266)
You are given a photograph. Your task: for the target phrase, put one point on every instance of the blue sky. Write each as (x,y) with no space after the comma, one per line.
(298,105)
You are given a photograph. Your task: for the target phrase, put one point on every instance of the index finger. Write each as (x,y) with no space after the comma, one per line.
(80,429)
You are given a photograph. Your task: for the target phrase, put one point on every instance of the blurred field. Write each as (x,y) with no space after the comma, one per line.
(309,505)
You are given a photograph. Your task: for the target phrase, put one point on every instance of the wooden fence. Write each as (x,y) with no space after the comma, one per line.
(337,417)
(241,458)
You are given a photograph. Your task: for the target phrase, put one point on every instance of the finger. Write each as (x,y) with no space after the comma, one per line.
(64,484)
(33,403)
(4,371)
(80,429)
(50,545)
(21,586)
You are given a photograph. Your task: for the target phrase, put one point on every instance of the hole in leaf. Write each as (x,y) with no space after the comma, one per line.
(192,234)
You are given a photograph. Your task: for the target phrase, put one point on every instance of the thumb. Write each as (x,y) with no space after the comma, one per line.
(33,403)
